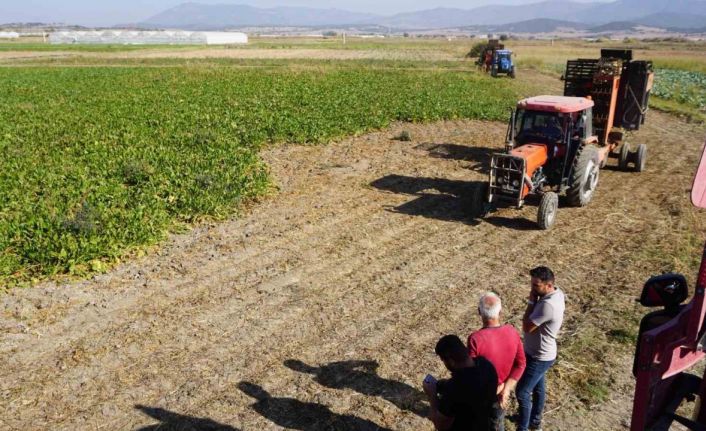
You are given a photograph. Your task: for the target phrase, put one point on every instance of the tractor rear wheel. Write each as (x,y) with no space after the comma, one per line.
(640,157)
(548,206)
(584,178)
(624,156)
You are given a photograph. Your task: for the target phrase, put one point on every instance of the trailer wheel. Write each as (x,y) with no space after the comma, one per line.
(548,206)
(584,178)
(640,157)
(624,156)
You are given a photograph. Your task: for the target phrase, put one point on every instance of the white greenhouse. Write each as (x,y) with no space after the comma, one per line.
(131,37)
(9,35)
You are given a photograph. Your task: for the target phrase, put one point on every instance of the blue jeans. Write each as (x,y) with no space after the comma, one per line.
(530,393)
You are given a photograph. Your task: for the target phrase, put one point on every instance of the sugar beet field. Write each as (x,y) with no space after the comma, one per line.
(190,241)
(98,161)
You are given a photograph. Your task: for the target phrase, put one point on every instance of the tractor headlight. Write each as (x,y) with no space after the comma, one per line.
(501,180)
(516,183)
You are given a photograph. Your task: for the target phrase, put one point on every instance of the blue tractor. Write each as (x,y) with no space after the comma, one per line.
(502,63)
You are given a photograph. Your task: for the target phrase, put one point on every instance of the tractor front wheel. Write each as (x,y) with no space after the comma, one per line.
(494,71)
(480,207)
(640,157)
(624,156)
(512,73)
(548,206)
(584,178)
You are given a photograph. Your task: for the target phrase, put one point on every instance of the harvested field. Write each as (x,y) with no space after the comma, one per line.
(321,306)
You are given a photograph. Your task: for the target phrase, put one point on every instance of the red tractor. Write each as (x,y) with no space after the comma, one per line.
(557,144)
(670,341)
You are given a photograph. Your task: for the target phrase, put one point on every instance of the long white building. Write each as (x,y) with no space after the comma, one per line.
(130,37)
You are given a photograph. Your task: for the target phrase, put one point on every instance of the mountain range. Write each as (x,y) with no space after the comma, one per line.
(673,14)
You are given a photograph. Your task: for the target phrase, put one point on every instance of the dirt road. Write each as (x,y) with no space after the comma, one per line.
(320,306)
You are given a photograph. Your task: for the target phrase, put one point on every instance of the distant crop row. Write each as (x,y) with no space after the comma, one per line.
(98,161)
(681,86)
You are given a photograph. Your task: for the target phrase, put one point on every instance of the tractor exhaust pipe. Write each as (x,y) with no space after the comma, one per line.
(510,137)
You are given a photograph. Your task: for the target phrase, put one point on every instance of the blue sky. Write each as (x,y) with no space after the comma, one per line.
(111,12)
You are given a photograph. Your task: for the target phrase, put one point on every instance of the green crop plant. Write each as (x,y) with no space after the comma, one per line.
(682,86)
(98,161)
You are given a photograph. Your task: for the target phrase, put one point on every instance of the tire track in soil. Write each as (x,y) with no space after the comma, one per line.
(402,325)
(262,307)
(270,307)
(367,318)
(371,312)
(398,328)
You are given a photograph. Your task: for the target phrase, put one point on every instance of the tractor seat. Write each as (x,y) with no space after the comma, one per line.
(651,321)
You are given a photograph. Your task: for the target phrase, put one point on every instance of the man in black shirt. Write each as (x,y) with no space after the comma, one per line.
(465,401)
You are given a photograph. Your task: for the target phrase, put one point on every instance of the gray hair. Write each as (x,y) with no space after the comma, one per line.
(489,305)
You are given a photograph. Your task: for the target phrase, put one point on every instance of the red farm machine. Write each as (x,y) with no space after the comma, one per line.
(557,144)
(485,61)
(670,341)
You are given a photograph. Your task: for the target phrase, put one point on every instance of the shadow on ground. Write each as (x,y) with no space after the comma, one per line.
(478,156)
(452,200)
(170,421)
(516,223)
(437,198)
(362,377)
(299,415)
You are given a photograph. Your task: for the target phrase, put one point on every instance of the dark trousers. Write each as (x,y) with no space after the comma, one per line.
(498,418)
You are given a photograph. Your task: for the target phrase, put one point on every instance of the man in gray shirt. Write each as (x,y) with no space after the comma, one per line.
(540,323)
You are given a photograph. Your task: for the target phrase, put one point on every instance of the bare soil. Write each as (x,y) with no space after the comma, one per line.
(319,308)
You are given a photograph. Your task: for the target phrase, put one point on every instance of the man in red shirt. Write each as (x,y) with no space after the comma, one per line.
(501,345)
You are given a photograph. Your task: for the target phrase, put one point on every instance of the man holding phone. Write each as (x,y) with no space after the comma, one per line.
(465,401)
(541,323)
